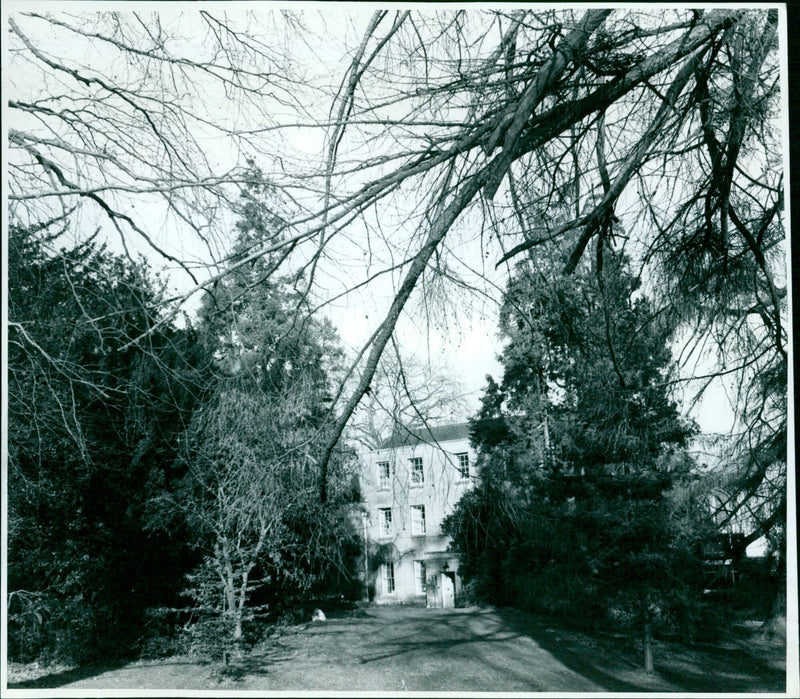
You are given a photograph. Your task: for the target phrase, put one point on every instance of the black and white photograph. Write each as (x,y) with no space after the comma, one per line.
(386,349)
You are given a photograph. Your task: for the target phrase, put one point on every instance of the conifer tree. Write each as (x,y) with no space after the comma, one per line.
(578,445)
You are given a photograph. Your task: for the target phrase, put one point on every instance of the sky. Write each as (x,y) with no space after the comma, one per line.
(463,346)
(460,338)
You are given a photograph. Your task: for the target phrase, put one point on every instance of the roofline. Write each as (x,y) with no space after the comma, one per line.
(425,435)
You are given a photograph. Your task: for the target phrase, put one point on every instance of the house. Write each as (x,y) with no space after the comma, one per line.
(409,485)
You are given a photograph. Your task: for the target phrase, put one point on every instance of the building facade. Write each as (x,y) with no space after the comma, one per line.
(409,485)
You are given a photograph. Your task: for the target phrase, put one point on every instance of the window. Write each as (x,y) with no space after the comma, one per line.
(417,474)
(384,474)
(388,578)
(463,465)
(420,577)
(385,521)
(418,519)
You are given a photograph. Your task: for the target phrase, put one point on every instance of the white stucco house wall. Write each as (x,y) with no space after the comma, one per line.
(408,486)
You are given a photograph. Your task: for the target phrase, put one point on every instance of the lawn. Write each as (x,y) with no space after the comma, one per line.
(461,650)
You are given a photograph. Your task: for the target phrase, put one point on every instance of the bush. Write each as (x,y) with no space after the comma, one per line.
(162,635)
(52,629)
(209,634)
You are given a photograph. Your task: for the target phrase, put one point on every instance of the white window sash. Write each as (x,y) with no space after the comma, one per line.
(418,524)
(417,471)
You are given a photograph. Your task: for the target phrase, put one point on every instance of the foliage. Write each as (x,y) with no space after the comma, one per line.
(577,452)
(92,420)
(538,124)
(582,126)
(186,452)
(249,496)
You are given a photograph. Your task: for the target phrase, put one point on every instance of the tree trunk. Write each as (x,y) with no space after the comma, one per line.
(237,625)
(648,646)
(775,625)
(230,597)
(648,635)
(231,608)
(239,612)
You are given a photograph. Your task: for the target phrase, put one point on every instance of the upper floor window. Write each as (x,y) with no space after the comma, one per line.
(418,519)
(384,474)
(463,465)
(417,474)
(385,521)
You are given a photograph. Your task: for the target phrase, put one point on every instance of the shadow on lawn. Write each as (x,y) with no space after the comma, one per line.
(612,663)
(413,643)
(428,637)
(600,667)
(696,668)
(59,679)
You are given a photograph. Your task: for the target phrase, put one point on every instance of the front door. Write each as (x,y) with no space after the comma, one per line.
(448,583)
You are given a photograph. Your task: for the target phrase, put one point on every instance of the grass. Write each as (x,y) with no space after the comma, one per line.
(392,649)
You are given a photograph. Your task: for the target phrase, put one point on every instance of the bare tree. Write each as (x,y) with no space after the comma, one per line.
(405,393)
(234,499)
(113,114)
(454,139)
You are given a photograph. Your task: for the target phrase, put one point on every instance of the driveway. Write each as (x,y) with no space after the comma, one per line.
(393,649)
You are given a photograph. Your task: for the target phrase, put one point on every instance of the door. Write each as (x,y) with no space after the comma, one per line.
(448,583)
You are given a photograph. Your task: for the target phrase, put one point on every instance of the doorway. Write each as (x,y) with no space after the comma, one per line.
(448,583)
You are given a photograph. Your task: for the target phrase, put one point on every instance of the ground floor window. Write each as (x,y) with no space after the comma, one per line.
(388,577)
(420,577)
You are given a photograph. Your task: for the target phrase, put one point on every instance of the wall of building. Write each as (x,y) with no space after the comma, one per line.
(441,487)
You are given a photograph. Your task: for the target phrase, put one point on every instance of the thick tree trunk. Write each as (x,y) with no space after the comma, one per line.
(231,608)
(230,597)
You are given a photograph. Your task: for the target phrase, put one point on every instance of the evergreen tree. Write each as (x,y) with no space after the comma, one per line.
(249,496)
(92,430)
(578,446)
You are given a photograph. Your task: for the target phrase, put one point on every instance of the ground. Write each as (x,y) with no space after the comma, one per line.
(460,650)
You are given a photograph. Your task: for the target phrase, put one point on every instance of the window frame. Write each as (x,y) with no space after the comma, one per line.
(385,482)
(385,524)
(419,526)
(463,470)
(417,474)
(388,578)
(420,577)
